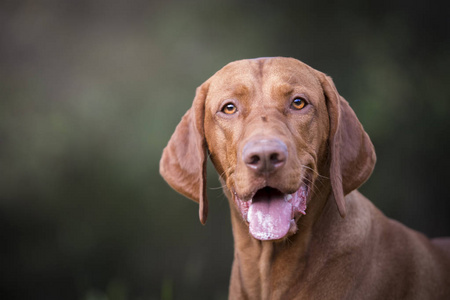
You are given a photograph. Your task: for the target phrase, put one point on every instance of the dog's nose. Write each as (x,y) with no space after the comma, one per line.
(265,155)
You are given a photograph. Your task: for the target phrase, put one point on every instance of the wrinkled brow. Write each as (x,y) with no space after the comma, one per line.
(239,89)
(283,89)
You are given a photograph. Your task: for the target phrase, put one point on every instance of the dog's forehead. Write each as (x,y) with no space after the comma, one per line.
(264,71)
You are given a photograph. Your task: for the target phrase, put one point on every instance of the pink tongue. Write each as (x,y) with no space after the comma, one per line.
(269,216)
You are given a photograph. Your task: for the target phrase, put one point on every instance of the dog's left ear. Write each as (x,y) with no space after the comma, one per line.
(351,152)
(183,162)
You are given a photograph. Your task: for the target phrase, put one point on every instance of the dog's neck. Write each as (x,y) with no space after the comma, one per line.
(257,263)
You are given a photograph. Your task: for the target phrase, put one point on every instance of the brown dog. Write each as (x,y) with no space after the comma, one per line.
(289,150)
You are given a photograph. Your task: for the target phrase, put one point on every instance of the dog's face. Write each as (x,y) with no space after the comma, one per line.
(271,126)
(267,126)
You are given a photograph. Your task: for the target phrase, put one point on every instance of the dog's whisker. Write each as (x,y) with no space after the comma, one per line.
(315,172)
(216,188)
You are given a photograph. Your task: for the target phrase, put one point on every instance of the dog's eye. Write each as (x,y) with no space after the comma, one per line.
(229,109)
(298,103)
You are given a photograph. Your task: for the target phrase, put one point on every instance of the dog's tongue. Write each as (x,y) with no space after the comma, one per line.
(269,215)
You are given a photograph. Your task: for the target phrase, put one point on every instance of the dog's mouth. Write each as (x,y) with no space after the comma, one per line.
(271,214)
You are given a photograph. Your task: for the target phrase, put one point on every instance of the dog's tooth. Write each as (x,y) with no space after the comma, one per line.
(287,197)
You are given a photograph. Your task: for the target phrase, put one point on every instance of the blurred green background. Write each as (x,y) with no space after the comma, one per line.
(90,92)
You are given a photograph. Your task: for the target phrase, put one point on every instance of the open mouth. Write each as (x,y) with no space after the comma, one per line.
(272,214)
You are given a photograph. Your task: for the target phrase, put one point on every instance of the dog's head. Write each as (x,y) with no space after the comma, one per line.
(273,127)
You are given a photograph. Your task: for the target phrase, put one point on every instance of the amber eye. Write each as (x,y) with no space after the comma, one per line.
(298,103)
(229,109)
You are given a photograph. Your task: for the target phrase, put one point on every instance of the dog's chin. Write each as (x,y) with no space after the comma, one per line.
(272,215)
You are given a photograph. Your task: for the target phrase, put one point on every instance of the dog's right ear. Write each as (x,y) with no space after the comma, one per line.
(183,162)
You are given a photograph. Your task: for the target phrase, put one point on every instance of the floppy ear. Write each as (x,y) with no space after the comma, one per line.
(351,152)
(183,162)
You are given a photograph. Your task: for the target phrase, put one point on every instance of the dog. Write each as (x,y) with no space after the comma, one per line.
(291,153)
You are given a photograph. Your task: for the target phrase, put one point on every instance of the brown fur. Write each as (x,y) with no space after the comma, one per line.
(352,252)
